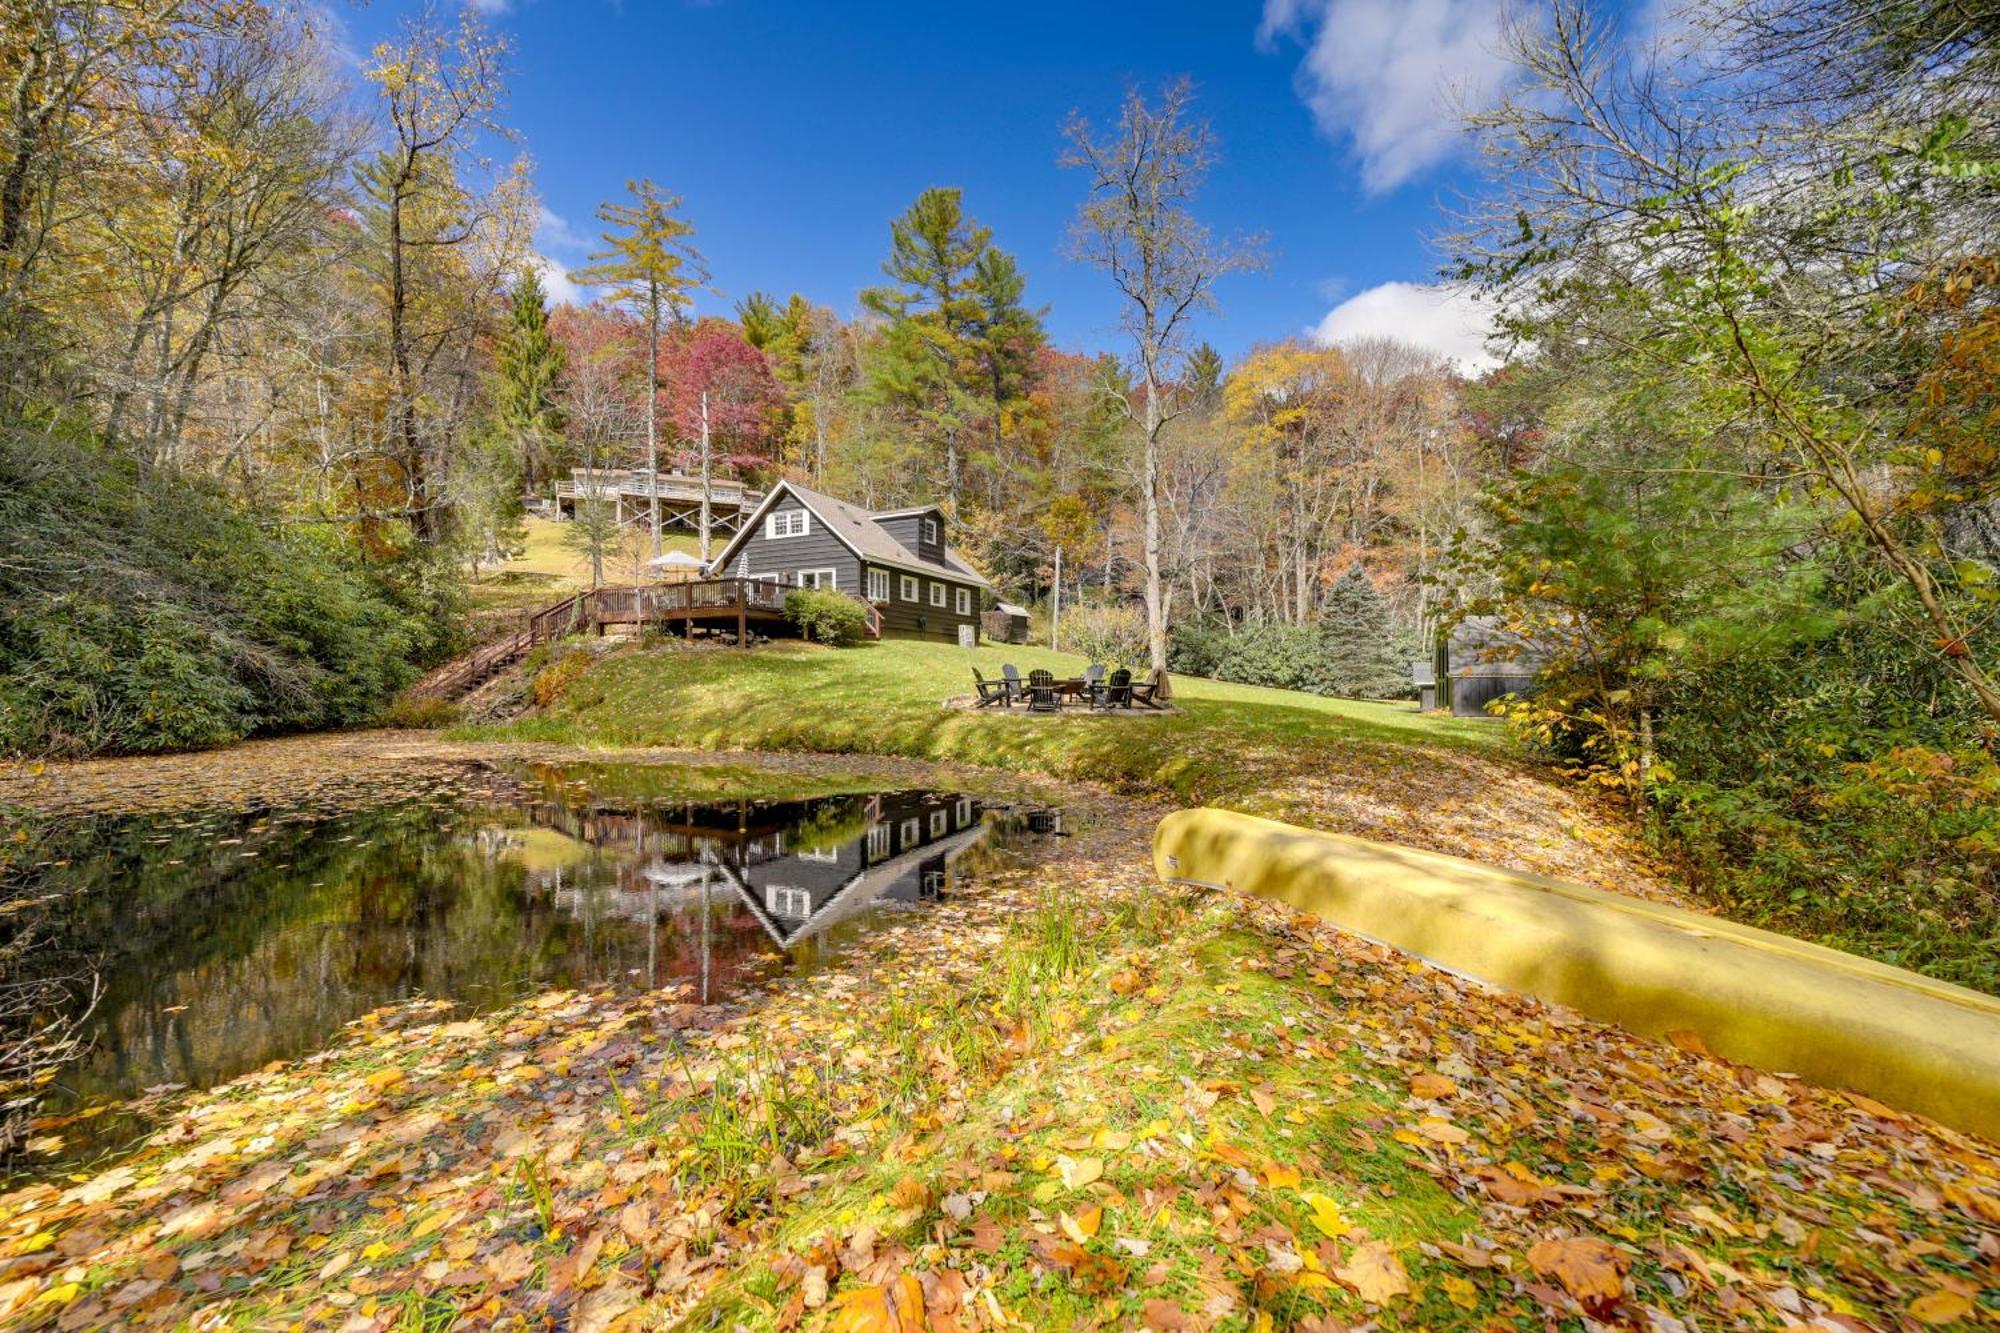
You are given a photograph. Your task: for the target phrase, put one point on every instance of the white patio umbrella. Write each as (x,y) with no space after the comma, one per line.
(676,562)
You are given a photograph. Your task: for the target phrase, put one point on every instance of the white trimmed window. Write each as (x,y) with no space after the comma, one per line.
(879,836)
(792,904)
(909,588)
(937,823)
(878,585)
(912,830)
(818,578)
(937,594)
(931,531)
(788,523)
(965,601)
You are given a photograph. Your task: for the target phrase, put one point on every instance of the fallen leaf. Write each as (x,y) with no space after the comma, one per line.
(1943,1306)
(1589,1269)
(1083,1226)
(1375,1273)
(1079,1171)
(1325,1214)
(1431,1087)
(896,1306)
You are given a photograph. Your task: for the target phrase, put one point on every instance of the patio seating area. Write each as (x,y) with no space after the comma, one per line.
(1095,691)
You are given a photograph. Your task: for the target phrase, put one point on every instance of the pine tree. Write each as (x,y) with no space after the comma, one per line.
(959,342)
(1203,378)
(1361,658)
(528,364)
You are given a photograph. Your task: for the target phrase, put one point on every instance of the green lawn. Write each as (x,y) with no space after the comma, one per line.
(549,569)
(1233,744)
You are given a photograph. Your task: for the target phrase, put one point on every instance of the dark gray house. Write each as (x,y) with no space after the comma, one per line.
(899,560)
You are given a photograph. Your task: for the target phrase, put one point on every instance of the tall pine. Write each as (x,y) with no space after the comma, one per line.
(528,363)
(1361,658)
(959,344)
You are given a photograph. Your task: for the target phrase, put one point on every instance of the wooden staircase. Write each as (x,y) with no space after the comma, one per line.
(466,673)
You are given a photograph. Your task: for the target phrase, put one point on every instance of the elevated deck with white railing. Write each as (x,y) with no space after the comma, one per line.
(632,492)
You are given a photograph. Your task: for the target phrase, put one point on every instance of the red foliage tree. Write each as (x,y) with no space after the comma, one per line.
(745,403)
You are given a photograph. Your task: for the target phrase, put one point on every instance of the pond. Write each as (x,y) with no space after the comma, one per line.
(219,942)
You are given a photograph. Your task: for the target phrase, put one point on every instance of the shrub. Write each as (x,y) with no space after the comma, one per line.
(826,616)
(1197,647)
(426,714)
(561,672)
(1286,657)
(152,612)
(1114,635)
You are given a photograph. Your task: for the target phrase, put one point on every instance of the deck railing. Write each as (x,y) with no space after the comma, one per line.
(668,486)
(660,601)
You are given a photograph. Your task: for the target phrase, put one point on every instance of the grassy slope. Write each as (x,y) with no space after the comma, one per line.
(883,698)
(1379,770)
(548,568)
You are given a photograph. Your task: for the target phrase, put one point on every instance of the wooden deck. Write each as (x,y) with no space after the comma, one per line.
(711,602)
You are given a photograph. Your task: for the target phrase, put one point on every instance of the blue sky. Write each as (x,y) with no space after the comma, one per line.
(795,131)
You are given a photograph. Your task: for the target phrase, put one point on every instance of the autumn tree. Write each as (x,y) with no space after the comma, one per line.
(652,268)
(528,364)
(1136,225)
(1764,229)
(725,404)
(440,87)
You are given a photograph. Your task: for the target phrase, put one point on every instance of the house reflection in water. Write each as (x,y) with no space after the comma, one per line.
(712,887)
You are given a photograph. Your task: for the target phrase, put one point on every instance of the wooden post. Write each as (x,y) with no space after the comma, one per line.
(742,620)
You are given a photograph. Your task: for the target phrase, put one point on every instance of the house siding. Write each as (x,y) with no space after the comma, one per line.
(909,530)
(786,556)
(919,619)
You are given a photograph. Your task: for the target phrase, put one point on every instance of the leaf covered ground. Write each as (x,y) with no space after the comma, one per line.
(1066,1097)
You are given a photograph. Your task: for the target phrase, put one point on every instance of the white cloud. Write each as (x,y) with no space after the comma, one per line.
(554,233)
(556,281)
(490,6)
(1434,316)
(1390,77)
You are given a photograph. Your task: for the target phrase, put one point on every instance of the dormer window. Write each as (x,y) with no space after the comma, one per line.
(787,523)
(930,532)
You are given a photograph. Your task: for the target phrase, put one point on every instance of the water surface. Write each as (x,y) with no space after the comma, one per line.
(219,942)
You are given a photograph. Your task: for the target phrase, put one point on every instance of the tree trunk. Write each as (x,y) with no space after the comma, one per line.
(653,417)
(416,476)
(1156,609)
(706,494)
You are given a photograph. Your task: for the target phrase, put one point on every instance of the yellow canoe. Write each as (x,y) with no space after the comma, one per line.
(1752,996)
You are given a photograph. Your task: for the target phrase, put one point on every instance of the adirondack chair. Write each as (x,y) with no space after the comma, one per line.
(1114,693)
(1012,675)
(1153,693)
(1042,696)
(992,691)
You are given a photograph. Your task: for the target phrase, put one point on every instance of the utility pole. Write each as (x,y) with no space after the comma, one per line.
(1055,614)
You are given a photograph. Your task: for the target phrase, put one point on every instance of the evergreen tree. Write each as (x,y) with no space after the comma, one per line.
(1361,658)
(528,363)
(958,342)
(1203,379)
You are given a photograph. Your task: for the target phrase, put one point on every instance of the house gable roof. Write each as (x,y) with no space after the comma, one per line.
(856,529)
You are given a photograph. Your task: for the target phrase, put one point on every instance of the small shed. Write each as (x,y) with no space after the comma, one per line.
(1006,623)
(1477,661)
